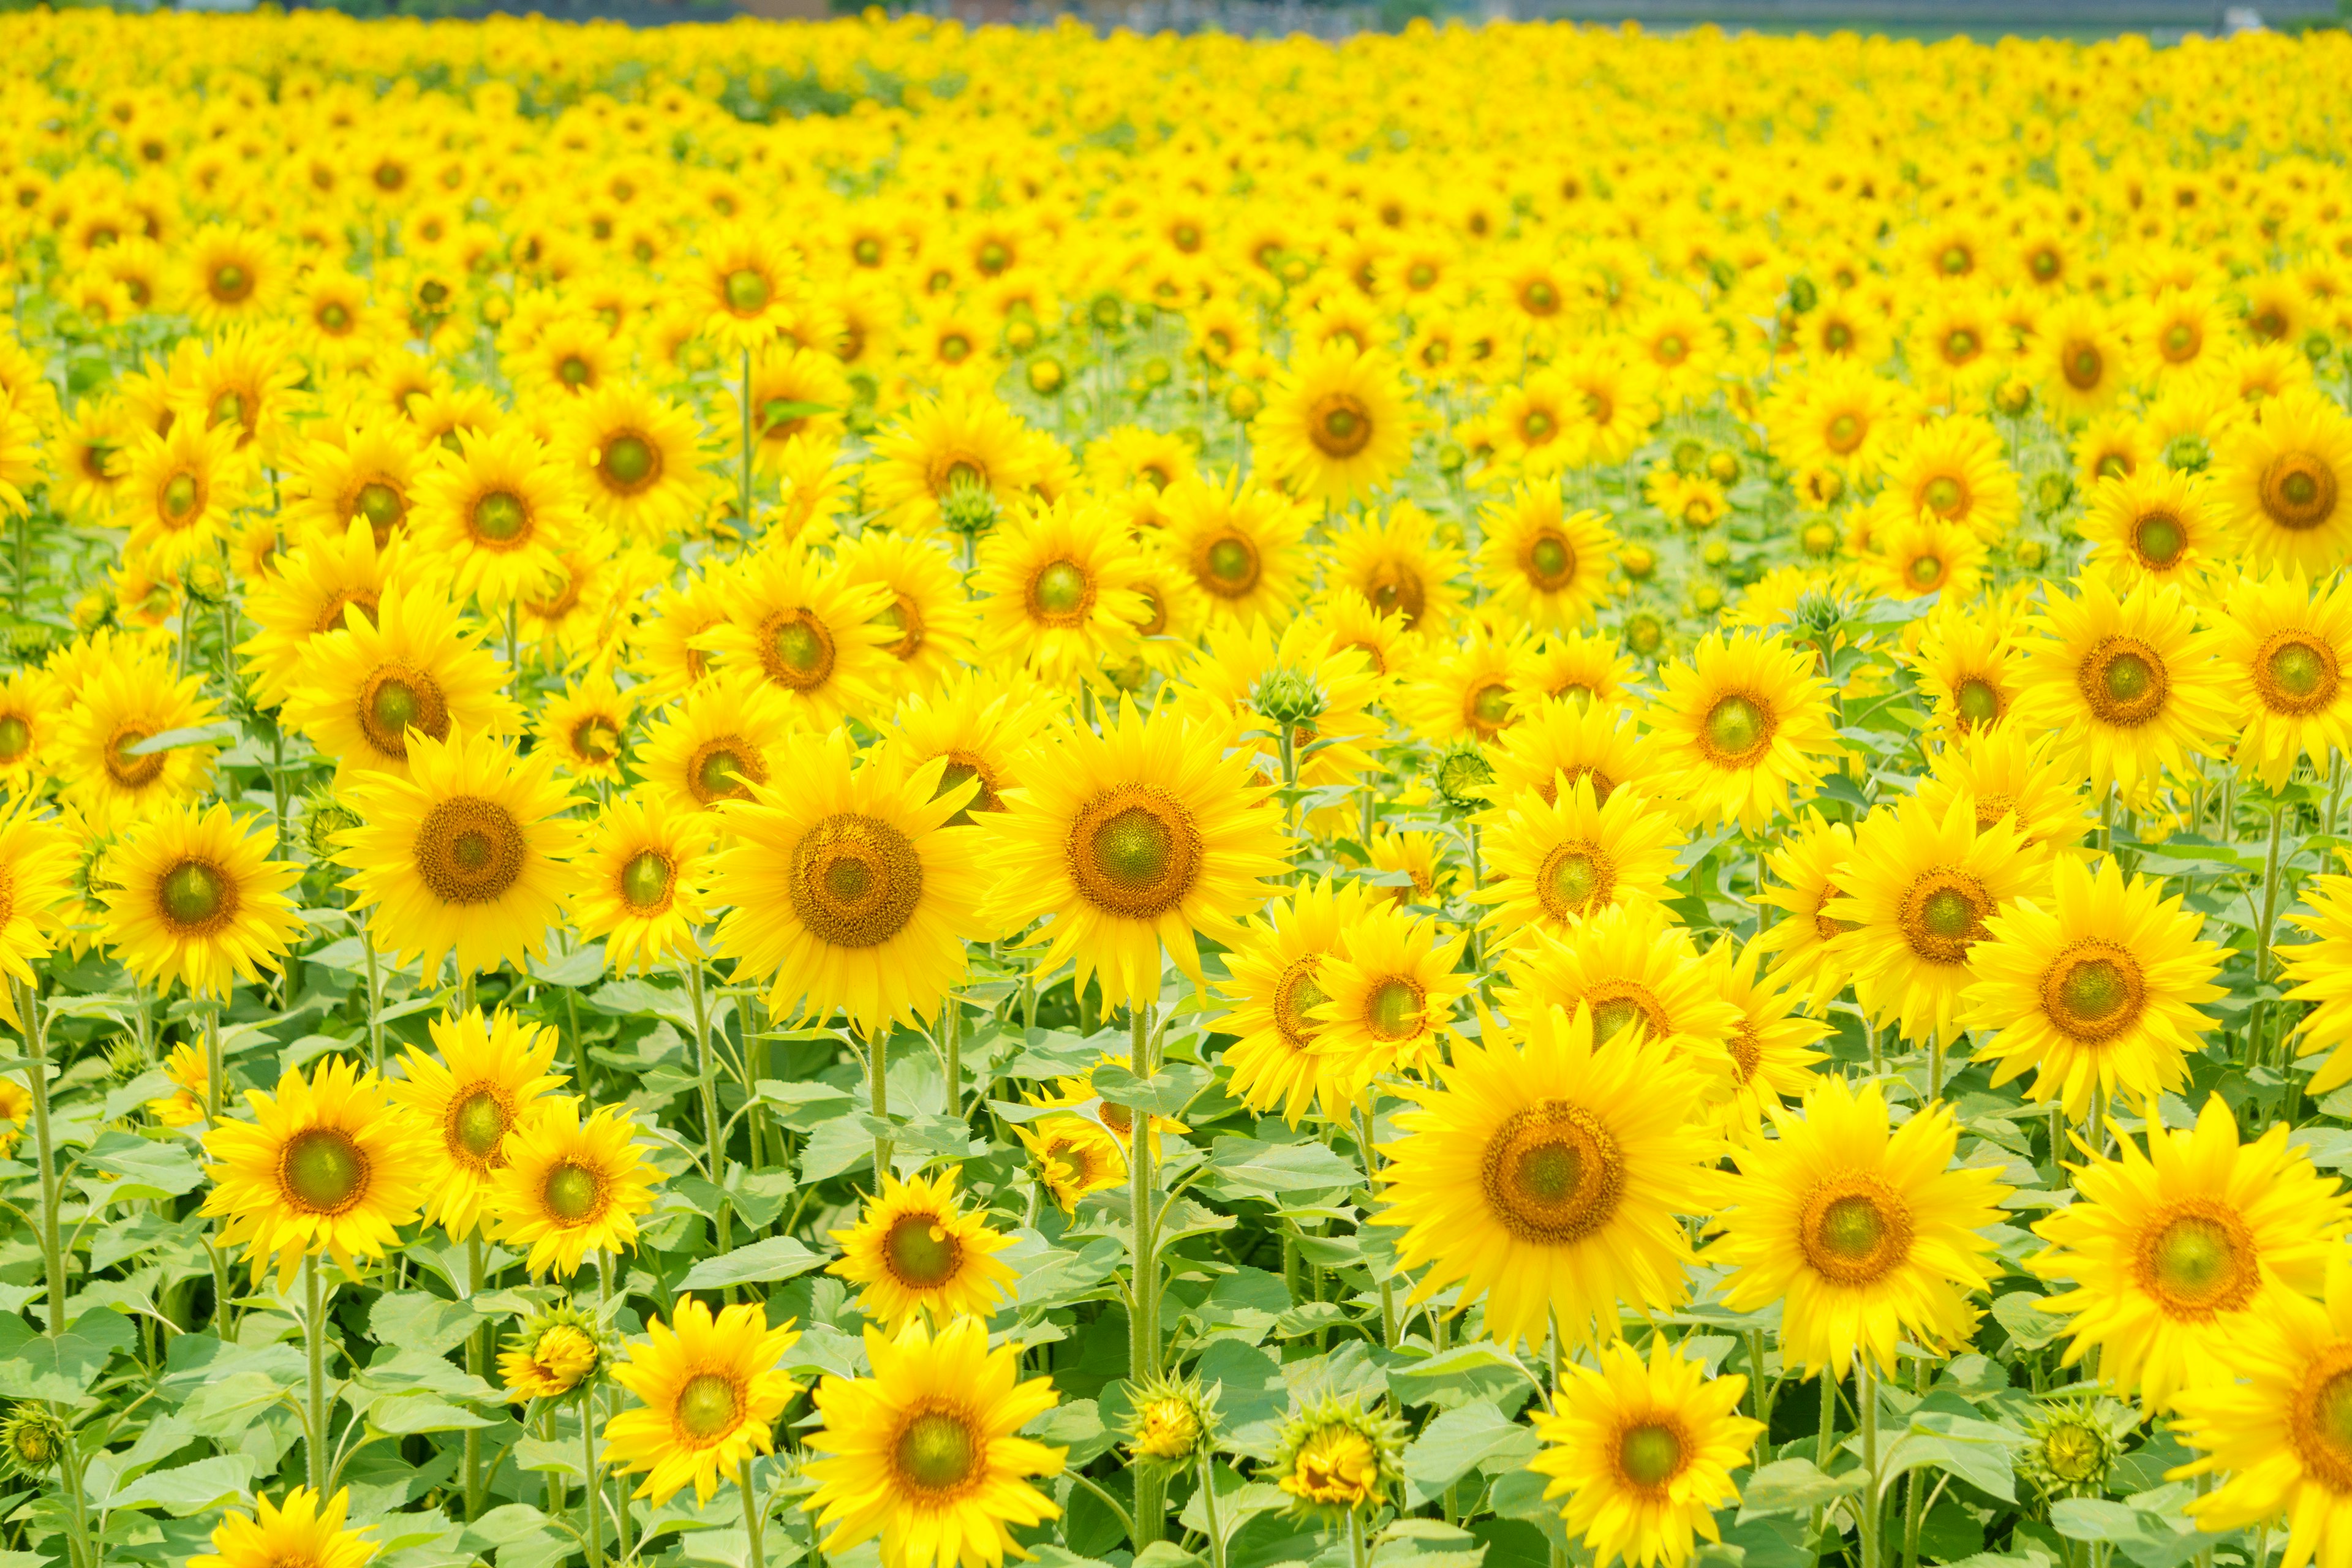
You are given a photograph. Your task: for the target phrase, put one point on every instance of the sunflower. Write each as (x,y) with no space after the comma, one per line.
(1952,469)
(2115,445)
(1465,692)
(2013,775)
(304,600)
(798,398)
(586,725)
(1912,557)
(1546,1176)
(1916,894)
(2130,681)
(1390,992)
(1559,738)
(2173,333)
(178,492)
(981,723)
(1771,1044)
(1617,406)
(644,875)
(30,709)
(329,1163)
(1844,418)
(637,458)
(367,473)
(38,859)
(2277,1429)
(121,700)
(89,459)
(500,515)
(2287,483)
(726,737)
(963,443)
(2321,972)
(1806,867)
(1132,839)
(850,892)
(746,282)
(568,1188)
(1968,665)
(1643,1452)
(1542,563)
(1551,862)
(1247,669)
(1581,669)
(234,273)
(1863,1236)
(1535,423)
(184,1106)
(1637,971)
(299,1531)
(1274,983)
(914,1250)
(2081,358)
(465,857)
(1378,639)
(486,1078)
(2286,647)
(1335,1455)
(2179,1254)
(924,1452)
(1063,588)
(811,631)
(711,1392)
(1243,545)
(1399,567)
(555,1354)
(2154,524)
(194,898)
(1074,1155)
(1744,722)
(1335,427)
(932,622)
(411,668)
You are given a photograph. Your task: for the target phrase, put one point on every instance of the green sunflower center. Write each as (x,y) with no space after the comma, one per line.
(937,1451)
(707,1407)
(478,1124)
(573,1193)
(323,1170)
(922,1251)
(1650,1454)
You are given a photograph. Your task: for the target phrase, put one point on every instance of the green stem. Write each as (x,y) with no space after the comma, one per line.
(1143,1325)
(1865,1393)
(951,1049)
(2262,939)
(1288,742)
(1826,1442)
(1372,1180)
(877,1076)
(1209,1508)
(743,483)
(36,1080)
(314,1342)
(753,1520)
(375,994)
(1358,1555)
(594,1476)
(476,1364)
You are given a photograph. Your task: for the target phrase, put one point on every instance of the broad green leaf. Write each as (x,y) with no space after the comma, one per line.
(190,1488)
(762,1262)
(1460,1440)
(1793,1487)
(34,1366)
(1251,1168)
(419,1319)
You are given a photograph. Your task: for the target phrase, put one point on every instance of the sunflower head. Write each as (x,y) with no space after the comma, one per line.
(557,1353)
(2073,1446)
(1173,1421)
(1337,1456)
(1463,775)
(31,1439)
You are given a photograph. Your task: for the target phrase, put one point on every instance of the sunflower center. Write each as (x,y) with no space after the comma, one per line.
(231,283)
(1552,1173)
(1232,566)
(334,318)
(2181,342)
(1339,425)
(1945,495)
(1978,701)
(380,504)
(502,521)
(2298,491)
(1737,731)
(1061,594)
(1135,851)
(1844,433)
(574,1195)
(2094,990)
(1618,1004)
(197,898)
(397,698)
(1396,587)
(1943,913)
(1576,878)
(962,766)
(856,880)
(747,292)
(2319,1418)
(323,1170)
(937,1451)
(1650,1454)
(469,850)
(1747,1051)
(2123,681)
(134,770)
(15,738)
(1854,1230)
(905,618)
(2158,539)
(1394,1011)
(2073,1451)
(1961,345)
(708,1407)
(921,1252)
(724,767)
(476,1123)
(1295,997)
(2295,672)
(2083,364)
(180,497)
(595,739)
(2197,1259)
(646,881)
(1489,708)
(1925,571)
(800,651)
(631,462)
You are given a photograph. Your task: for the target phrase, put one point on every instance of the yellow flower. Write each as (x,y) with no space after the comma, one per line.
(1389,996)
(1745,722)
(639,460)
(644,881)
(923,1453)
(1543,564)
(747,283)
(1075,1155)
(1063,589)
(1805,866)
(329,1163)
(1770,1045)
(930,622)
(569,1188)
(1636,969)
(711,1392)
(1336,1456)
(2130,681)
(2287,483)
(2285,645)
(1275,970)
(485,1078)
(411,666)
(1864,1236)
(178,490)
(1336,427)
(1244,544)
(963,440)
(335,568)
(725,738)
(299,1531)
(586,725)
(1399,568)
(553,1354)
(915,1250)
(38,862)
(811,631)
(195,899)
(2154,524)
(499,514)
(1550,863)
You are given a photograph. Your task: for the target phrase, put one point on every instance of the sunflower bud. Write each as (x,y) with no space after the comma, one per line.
(1644,633)
(2189,454)
(2014,397)
(1047,375)
(1637,561)
(1337,1456)
(1288,697)
(31,1438)
(968,507)
(1173,1423)
(205,581)
(2052,491)
(2074,1446)
(1463,775)
(322,818)
(1243,402)
(554,1354)
(1818,539)
(2031,553)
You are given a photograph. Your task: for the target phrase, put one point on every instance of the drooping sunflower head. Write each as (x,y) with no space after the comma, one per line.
(557,1353)
(32,1439)
(1073,1156)
(1335,1455)
(1172,1421)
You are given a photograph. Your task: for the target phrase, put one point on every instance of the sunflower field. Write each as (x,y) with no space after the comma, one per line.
(874,795)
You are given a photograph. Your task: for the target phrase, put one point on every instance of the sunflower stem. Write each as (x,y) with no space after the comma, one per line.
(314,1342)
(753,1515)
(878,1078)
(594,1497)
(2262,939)
(951,1045)
(1358,1556)
(375,994)
(1865,1391)
(1143,1337)
(37,1082)
(1287,740)
(1825,1442)
(743,480)
(475,1364)
(1372,1179)
(1209,1508)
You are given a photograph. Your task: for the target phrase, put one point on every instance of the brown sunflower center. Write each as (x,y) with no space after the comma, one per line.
(1396,588)
(646,882)
(2298,491)
(1844,433)
(1650,1454)
(631,463)
(905,618)
(179,498)
(921,1252)
(1392,1009)
(1061,594)
(478,1121)
(1945,495)
(1738,729)
(1339,425)
(1549,560)
(963,766)
(856,880)
(132,770)
(1576,878)
(396,697)
(502,521)
(2319,1418)
(469,850)
(937,1451)
(2158,539)
(1135,851)
(1229,566)
(1943,913)
(1618,1004)
(2197,1257)
(725,767)
(1824,927)
(1854,1230)
(2093,991)
(2123,681)
(2295,673)
(2083,364)
(708,1406)
(574,1195)
(1978,702)
(796,649)
(197,898)
(323,1170)
(1295,997)
(1747,1048)
(1552,1173)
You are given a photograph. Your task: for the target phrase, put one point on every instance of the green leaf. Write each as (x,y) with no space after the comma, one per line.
(34,1366)
(1165,1093)
(762,1262)
(124,1166)
(190,1488)
(1460,1440)
(172,740)
(1076,1426)
(1793,1487)
(417,1320)
(522,1536)
(405,1414)
(1248,1167)
(2143,1537)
